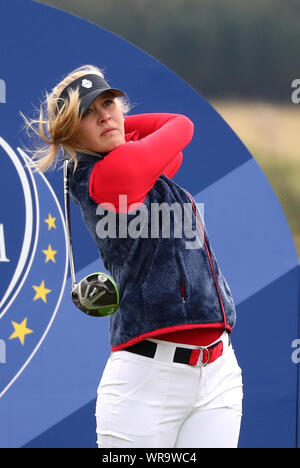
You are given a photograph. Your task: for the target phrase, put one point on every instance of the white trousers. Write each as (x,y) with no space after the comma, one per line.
(144,402)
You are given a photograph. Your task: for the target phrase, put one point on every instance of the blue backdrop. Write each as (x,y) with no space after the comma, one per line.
(52,355)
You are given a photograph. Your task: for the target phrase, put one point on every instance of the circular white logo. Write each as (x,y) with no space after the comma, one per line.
(86,83)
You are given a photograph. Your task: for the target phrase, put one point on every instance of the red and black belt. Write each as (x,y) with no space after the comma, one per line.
(183,355)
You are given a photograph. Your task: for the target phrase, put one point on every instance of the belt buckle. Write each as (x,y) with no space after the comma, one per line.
(204,348)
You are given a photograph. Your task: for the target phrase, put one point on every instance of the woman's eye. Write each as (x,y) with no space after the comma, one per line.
(108,102)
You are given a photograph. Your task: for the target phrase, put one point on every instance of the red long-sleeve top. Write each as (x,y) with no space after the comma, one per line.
(154,144)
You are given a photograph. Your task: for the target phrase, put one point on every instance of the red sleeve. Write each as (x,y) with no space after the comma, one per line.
(171,169)
(139,127)
(133,168)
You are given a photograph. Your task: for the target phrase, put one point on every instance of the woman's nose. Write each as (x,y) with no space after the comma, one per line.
(103,116)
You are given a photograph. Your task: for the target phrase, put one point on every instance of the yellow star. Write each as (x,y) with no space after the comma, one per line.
(41,292)
(20,331)
(50,254)
(51,222)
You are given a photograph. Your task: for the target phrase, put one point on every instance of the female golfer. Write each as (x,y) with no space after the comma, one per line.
(172,379)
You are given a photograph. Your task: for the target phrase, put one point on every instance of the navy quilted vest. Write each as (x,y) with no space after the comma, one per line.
(162,283)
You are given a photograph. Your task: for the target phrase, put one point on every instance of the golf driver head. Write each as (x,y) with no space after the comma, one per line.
(97,295)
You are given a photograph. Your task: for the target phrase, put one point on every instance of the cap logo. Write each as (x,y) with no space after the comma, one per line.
(86,83)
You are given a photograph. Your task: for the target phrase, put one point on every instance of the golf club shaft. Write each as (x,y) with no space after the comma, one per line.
(68,223)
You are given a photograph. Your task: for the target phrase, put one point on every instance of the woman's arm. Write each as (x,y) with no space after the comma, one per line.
(133,168)
(171,169)
(146,124)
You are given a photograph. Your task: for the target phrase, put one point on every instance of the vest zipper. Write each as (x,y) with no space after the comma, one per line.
(182,286)
(182,291)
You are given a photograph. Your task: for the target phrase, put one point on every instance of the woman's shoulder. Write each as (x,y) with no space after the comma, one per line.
(79,176)
(84,163)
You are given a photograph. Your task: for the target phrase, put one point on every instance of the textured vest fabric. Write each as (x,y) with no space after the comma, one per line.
(163,285)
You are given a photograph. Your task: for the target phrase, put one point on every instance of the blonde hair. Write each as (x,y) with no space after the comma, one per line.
(56,125)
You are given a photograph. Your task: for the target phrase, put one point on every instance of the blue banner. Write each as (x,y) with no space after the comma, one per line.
(51,355)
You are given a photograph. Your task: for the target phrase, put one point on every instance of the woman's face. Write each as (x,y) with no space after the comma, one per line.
(101,129)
